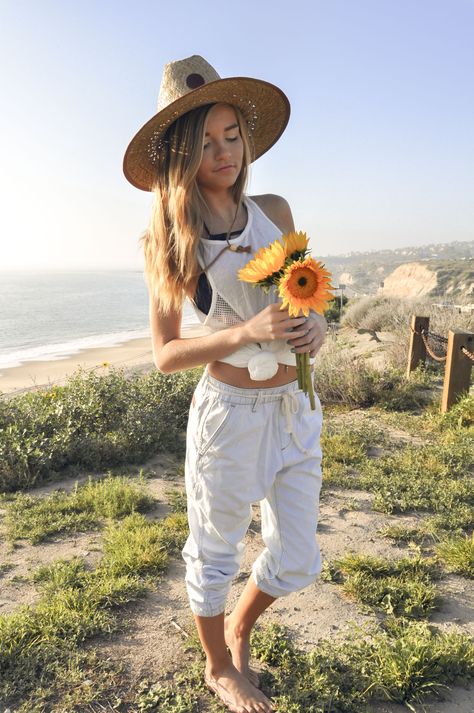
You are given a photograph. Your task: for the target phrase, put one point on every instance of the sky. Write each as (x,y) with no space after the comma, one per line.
(378,153)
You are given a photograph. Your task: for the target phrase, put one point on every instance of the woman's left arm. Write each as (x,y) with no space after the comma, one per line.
(279,211)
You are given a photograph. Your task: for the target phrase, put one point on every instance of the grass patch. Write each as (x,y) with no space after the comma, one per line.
(457,423)
(459,416)
(348,448)
(6,567)
(338,475)
(92,423)
(434,478)
(459,518)
(177,500)
(186,695)
(40,646)
(403,587)
(37,518)
(406,662)
(138,546)
(401,533)
(458,554)
(345,450)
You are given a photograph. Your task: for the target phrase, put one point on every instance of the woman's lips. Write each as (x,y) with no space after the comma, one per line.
(224,168)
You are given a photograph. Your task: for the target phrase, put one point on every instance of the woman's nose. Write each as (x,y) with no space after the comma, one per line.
(222,149)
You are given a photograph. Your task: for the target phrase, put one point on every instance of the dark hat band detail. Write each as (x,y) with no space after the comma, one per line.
(193,81)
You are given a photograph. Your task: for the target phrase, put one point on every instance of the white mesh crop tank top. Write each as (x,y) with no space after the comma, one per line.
(234,301)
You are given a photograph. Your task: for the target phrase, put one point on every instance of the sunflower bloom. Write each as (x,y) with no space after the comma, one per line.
(305,285)
(264,264)
(295,243)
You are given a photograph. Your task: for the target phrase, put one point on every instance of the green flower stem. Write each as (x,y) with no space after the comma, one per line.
(309,383)
(305,371)
(305,380)
(299,370)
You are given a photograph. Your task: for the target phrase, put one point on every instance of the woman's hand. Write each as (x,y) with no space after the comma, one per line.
(273,323)
(312,341)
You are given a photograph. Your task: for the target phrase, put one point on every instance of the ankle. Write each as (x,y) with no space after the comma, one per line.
(216,667)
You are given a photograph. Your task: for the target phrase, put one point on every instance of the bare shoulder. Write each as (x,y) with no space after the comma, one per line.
(277,209)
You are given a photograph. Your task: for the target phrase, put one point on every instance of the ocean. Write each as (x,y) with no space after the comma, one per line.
(45,316)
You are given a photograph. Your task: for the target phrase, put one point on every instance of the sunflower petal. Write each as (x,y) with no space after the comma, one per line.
(265,263)
(295,242)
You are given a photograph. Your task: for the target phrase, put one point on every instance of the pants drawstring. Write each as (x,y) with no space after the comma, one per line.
(289,403)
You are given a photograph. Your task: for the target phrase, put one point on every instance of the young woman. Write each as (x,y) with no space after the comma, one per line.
(251,435)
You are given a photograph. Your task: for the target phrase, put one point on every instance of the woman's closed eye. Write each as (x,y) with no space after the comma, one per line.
(231,139)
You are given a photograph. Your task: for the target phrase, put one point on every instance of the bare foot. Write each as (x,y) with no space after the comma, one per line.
(236,691)
(239,646)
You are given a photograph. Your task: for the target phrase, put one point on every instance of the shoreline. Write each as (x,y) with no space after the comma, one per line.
(33,375)
(133,355)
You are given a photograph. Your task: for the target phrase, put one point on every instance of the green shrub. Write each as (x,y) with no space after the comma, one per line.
(342,378)
(377,313)
(93,422)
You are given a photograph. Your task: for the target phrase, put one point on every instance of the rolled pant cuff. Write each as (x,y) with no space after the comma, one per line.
(265,588)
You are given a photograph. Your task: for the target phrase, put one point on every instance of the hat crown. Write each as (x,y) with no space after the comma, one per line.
(183,76)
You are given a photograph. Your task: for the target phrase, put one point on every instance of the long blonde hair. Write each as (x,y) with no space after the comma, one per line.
(171,241)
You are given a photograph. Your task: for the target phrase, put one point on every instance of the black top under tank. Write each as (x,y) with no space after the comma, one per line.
(203,294)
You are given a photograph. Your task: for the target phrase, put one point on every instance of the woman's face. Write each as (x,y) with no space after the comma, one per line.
(223,149)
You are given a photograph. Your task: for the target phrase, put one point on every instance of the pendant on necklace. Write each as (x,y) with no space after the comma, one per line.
(240,249)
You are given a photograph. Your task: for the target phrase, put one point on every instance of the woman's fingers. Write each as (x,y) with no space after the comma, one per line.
(294,322)
(309,336)
(295,334)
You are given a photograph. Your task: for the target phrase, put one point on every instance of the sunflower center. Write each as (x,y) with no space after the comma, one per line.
(303,283)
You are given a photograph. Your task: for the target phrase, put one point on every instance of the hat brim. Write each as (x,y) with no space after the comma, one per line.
(264,106)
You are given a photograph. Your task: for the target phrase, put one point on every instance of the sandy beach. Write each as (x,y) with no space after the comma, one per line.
(133,355)
(137,353)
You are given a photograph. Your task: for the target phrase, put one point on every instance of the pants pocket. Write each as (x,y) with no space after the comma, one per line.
(211,424)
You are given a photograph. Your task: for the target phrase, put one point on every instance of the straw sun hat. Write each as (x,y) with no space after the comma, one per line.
(190,83)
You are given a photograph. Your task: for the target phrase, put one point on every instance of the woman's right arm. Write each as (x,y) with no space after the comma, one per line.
(172,353)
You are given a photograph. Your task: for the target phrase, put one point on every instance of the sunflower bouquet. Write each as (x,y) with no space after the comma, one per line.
(302,282)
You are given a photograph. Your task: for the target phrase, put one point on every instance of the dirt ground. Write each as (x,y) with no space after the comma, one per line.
(154,635)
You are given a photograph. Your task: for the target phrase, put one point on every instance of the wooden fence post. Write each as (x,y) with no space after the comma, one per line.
(457,376)
(417,349)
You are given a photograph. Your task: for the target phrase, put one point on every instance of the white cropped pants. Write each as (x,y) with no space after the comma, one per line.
(245,446)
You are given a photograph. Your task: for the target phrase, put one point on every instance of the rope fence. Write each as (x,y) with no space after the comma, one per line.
(454,351)
(425,336)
